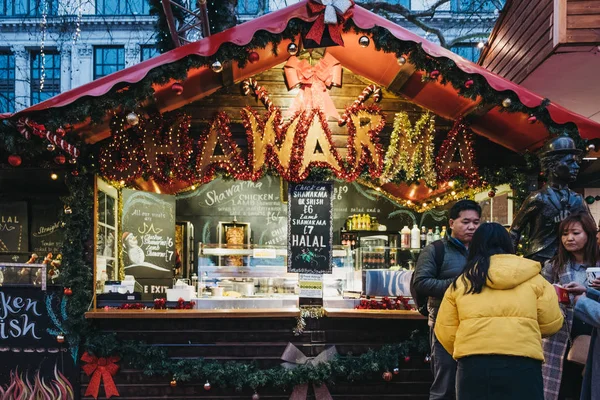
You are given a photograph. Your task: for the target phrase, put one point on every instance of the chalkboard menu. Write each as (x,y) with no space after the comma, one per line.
(47,235)
(14,236)
(310,227)
(148,236)
(31,359)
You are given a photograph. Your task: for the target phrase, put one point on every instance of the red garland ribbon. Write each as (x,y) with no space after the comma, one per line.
(318,28)
(100,369)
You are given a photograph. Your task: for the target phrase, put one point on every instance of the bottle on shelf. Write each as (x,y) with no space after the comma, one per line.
(436,234)
(443,233)
(415,237)
(405,237)
(429,236)
(423,236)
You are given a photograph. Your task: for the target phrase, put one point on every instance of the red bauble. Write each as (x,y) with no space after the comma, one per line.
(469,83)
(407,359)
(207,386)
(14,160)
(491,193)
(253,57)
(434,74)
(177,88)
(60,159)
(75,173)
(60,338)
(532,119)
(387,376)
(68,291)
(60,132)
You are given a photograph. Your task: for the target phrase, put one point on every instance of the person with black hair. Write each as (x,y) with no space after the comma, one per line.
(433,275)
(492,320)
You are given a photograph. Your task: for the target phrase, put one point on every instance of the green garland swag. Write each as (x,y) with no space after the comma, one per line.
(154,361)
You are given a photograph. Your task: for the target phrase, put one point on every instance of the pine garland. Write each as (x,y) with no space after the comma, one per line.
(155,361)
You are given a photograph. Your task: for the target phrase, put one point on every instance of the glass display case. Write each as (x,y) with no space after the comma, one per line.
(263,280)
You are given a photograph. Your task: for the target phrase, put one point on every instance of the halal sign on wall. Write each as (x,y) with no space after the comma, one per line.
(310,227)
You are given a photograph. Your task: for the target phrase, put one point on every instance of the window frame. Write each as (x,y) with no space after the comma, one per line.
(148,47)
(96,64)
(29,11)
(122,7)
(468,45)
(455,7)
(54,82)
(7,86)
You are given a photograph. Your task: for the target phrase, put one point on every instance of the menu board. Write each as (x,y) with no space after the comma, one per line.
(47,235)
(149,236)
(310,227)
(14,236)
(31,358)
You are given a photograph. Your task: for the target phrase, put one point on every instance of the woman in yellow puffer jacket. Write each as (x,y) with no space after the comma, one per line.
(493,318)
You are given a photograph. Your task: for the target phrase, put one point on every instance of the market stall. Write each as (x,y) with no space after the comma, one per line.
(231,203)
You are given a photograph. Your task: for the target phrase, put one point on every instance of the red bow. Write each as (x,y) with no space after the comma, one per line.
(324,9)
(100,369)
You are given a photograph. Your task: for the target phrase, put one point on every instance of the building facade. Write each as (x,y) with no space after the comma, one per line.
(50,46)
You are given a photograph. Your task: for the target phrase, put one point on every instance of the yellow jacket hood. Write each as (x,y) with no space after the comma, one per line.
(508,271)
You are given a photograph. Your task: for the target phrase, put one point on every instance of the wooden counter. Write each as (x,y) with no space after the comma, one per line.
(261,336)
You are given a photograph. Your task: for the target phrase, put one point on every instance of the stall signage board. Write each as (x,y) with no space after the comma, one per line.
(31,357)
(311,286)
(310,227)
(14,224)
(149,239)
(47,235)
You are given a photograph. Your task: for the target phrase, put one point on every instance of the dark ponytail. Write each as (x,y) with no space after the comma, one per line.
(489,239)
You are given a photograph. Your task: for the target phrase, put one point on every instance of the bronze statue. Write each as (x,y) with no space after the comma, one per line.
(543,210)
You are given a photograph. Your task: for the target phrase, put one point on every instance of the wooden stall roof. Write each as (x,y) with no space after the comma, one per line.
(510,130)
(551,48)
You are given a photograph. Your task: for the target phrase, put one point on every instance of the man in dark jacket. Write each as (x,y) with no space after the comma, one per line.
(432,281)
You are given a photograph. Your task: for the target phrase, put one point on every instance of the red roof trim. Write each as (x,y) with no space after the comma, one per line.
(276,22)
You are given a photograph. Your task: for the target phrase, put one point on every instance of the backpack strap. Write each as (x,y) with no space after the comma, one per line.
(440,252)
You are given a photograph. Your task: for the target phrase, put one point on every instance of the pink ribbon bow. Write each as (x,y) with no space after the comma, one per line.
(294,357)
(314,83)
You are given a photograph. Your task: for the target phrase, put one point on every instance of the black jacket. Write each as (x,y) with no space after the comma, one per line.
(428,282)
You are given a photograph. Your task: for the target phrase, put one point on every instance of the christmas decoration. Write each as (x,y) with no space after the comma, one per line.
(591,147)
(60,132)
(590,199)
(387,376)
(332,16)
(469,83)
(60,338)
(67,210)
(75,173)
(50,147)
(491,193)
(100,370)
(396,371)
(427,358)
(216,66)
(271,143)
(133,119)
(434,74)
(459,141)
(27,128)
(406,358)
(400,303)
(207,386)
(177,88)
(292,49)
(411,150)
(507,102)
(68,291)
(60,159)
(364,41)
(255,396)
(366,93)
(401,60)
(294,358)
(253,57)
(532,119)
(15,160)
(314,83)
(173,383)
(72,161)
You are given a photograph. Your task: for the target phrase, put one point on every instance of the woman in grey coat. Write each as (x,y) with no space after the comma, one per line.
(587,307)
